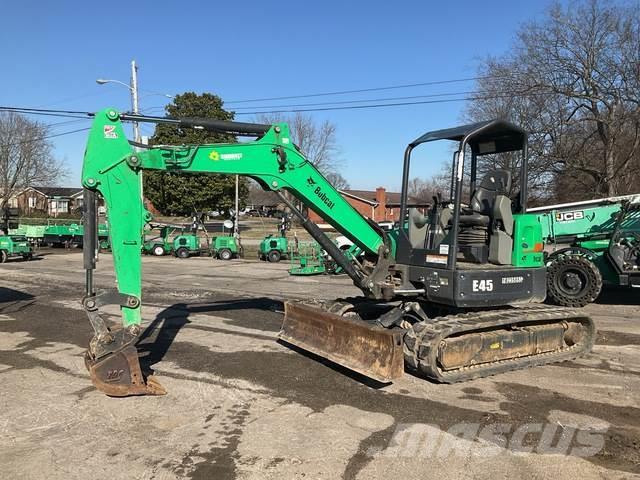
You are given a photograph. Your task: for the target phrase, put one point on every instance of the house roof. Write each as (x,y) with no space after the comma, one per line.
(260,197)
(392,198)
(57,191)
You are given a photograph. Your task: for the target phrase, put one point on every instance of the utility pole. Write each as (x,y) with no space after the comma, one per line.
(236,229)
(134,99)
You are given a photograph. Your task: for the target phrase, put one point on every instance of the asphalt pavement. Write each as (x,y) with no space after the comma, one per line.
(242,405)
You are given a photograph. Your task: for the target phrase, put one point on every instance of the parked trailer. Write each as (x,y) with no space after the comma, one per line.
(72,235)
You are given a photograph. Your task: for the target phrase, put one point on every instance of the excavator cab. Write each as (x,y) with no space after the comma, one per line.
(477,247)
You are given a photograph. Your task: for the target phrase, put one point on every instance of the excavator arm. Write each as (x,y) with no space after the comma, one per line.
(114,169)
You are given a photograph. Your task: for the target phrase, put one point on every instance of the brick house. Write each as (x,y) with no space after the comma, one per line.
(378,204)
(50,200)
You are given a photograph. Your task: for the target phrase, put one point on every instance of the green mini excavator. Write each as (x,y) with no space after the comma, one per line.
(450,295)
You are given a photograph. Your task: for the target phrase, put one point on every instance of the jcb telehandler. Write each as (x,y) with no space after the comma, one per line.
(590,244)
(449,295)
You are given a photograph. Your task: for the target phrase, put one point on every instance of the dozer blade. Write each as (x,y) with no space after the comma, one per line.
(118,374)
(372,351)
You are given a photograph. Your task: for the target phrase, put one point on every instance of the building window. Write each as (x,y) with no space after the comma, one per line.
(32,202)
(63,206)
(13,202)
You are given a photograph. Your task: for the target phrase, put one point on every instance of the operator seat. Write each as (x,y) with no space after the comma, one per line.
(488,218)
(495,182)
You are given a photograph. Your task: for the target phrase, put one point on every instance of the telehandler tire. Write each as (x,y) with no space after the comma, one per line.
(3,256)
(573,280)
(182,253)
(158,251)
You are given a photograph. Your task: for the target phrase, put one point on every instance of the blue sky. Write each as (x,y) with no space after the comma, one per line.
(54,51)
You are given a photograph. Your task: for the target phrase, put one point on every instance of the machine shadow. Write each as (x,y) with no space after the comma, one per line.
(618,296)
(12,301)
(353,375)
(157,338)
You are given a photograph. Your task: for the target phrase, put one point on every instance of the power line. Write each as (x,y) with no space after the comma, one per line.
(362,90)
(71,99)
(46,137)
(68,122)
(346,102)
(382,105)
(45,110)
(43,114)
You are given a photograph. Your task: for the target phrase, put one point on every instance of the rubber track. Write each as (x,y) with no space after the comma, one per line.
(421,342)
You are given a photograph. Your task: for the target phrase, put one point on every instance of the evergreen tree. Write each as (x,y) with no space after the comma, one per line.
(180,194)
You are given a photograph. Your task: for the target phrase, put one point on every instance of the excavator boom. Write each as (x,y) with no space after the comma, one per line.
(114,169)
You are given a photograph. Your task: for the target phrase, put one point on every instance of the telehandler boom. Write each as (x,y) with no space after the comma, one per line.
(439,293)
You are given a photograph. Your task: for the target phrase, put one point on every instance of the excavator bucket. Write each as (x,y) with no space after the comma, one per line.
(370,350)
(118,374)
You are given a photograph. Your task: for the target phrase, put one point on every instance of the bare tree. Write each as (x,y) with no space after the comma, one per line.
(425,189)
(316,140)
(26,157)
(337,180)
(573,81)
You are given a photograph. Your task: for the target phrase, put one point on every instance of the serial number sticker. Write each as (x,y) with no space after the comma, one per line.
(511,280)
(436,259)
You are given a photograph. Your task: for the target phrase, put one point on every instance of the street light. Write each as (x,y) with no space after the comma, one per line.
(149,93)
(102,81)
(133,88)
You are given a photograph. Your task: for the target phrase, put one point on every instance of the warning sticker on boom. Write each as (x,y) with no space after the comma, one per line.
(110,131)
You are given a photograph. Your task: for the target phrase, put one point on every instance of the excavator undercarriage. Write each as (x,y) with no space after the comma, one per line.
(446,349)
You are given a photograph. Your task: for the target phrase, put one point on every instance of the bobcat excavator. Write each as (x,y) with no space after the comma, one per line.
(450,296)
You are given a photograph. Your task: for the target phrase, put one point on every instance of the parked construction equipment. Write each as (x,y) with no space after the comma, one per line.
(225,247)
(15,246)
(275,248)
(307,259)
(12,246)
(590,243)
(160,244)
(182,244)
(185,245)
(449,296)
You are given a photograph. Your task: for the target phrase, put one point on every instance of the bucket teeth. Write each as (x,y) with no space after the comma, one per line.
(118,374)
